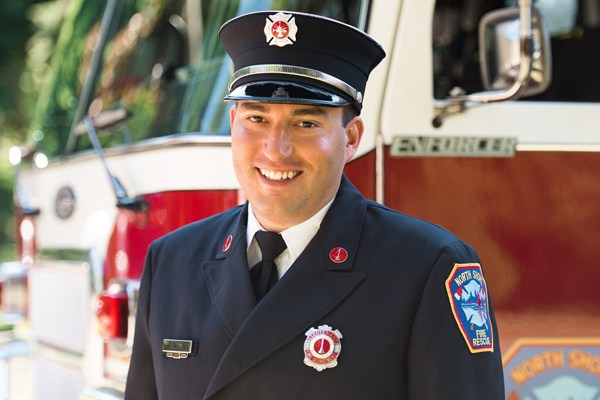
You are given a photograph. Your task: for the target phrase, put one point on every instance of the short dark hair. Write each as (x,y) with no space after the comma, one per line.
(348,114)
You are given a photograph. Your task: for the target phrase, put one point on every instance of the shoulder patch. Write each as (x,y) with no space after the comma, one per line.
(467,293)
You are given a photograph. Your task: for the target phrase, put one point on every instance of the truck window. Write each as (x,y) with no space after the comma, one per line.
(574,27)
(163,71)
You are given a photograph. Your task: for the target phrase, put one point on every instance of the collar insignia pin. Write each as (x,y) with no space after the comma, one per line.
(322,347)
(227,243)
(338,255)
(280,29)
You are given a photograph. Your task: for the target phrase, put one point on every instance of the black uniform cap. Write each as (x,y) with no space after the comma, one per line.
(291,57)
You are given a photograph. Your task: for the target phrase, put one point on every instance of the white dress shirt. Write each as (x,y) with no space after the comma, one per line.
(296,239)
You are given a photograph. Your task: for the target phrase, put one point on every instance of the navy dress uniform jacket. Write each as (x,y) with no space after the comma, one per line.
(388,300)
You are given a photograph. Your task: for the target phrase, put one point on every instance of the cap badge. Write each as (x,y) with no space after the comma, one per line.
(281,29)
(281,93)
(322,347)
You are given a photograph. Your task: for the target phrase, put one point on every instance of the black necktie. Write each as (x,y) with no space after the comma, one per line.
(264,274)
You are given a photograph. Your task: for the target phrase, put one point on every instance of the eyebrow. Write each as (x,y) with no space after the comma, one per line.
(316,111)
(308,110)
(253,106)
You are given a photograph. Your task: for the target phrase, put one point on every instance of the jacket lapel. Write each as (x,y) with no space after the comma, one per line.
(228,279)
(313,286)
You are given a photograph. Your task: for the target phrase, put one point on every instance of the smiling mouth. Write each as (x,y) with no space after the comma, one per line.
(278,175)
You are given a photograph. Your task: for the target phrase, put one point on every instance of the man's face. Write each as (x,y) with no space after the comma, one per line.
(289,158)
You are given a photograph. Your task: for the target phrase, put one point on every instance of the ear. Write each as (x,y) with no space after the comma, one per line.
(354,132)
(232,112)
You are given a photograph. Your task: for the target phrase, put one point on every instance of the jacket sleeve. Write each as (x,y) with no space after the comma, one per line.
(442,363)
(141,382)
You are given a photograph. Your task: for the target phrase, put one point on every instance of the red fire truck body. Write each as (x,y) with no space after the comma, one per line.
(519,180)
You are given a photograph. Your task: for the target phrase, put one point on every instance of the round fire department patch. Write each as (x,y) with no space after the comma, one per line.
(280,29)
(467,292)
(322,347)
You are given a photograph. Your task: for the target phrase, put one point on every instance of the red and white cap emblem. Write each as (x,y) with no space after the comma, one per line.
(281,29)
(322,347)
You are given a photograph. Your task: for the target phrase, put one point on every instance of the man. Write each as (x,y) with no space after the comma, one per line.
(357,301)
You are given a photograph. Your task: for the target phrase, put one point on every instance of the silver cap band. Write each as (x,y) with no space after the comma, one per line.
(296,71)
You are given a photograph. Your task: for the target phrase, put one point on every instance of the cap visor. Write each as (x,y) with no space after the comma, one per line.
(285,92)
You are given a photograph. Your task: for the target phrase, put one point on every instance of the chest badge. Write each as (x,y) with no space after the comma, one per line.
(280,29)
(322,347)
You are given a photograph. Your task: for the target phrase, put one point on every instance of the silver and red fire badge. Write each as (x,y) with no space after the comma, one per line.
(281,29)
(322,347)
(467,292)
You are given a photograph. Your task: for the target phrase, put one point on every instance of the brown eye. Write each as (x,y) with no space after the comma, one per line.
(307,124)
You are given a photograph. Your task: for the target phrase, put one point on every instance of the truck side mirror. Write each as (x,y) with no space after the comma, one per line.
(515,60)
(500,52)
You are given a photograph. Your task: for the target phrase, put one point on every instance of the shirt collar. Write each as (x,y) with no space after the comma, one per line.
(296,237)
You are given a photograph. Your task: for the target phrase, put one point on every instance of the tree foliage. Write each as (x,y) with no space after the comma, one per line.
(29,29)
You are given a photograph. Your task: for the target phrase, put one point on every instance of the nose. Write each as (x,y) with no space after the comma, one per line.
(278,143)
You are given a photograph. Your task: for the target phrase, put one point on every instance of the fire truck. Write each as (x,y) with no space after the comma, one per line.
(484,118)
